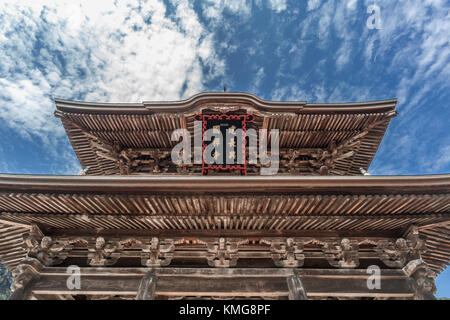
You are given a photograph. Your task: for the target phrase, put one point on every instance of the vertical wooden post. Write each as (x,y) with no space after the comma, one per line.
(296,289)
(25,293)
(147,287)
(421,279)
(24,277)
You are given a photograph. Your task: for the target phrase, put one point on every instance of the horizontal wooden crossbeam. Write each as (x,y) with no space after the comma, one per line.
(236,282)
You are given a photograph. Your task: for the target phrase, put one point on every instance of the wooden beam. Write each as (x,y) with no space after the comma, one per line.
(15,224)
(434,225)
(431,184)
(225,282)
(366,234)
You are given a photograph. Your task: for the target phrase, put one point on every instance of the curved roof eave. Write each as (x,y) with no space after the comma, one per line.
(420,184)
(222,97)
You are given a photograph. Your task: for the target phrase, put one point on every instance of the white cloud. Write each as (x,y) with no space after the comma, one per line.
(214,10)
(298,92)
(443,159)
(425,55)
(423,59)
(278,5)
(439,162)
(317,24)
(313,4)
(97,50)
(136,50)
(27,108)
(343,55)
(351,4)
(257,79)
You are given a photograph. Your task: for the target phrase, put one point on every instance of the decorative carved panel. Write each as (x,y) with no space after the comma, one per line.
(343,254)
(104,253)
(157,253)
(223,253)
(45,249)
(286,253)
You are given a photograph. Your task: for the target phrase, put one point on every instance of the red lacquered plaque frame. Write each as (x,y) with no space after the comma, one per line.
(241,119)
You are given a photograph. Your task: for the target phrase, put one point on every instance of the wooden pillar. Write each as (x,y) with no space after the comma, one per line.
(147,287)
(296,289)
(24,293)
(25,275)
(421,279)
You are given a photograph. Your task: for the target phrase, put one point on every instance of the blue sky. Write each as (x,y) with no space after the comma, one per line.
(313,50)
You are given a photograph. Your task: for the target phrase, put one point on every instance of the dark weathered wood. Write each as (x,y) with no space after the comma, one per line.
(220,251)
(223,272)
(306,206)
(147,287)
(53,297)
(19,294)
(26,292)
(25,277)
(202,272)
(384,185)
(225,282)
(231,233)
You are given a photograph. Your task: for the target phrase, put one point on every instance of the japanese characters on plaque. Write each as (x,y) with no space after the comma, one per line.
(223,142)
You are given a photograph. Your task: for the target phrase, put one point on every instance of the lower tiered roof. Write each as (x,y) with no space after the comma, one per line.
(368,206)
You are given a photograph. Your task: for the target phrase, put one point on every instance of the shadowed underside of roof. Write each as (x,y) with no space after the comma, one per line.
(12,246)
(93,128)
(187,205)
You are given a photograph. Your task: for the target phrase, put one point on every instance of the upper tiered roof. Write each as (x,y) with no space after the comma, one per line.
(102,134)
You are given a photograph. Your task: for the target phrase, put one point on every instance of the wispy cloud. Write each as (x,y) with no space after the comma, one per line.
(313,4)
(122,51)
(278,5)
(315,50)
